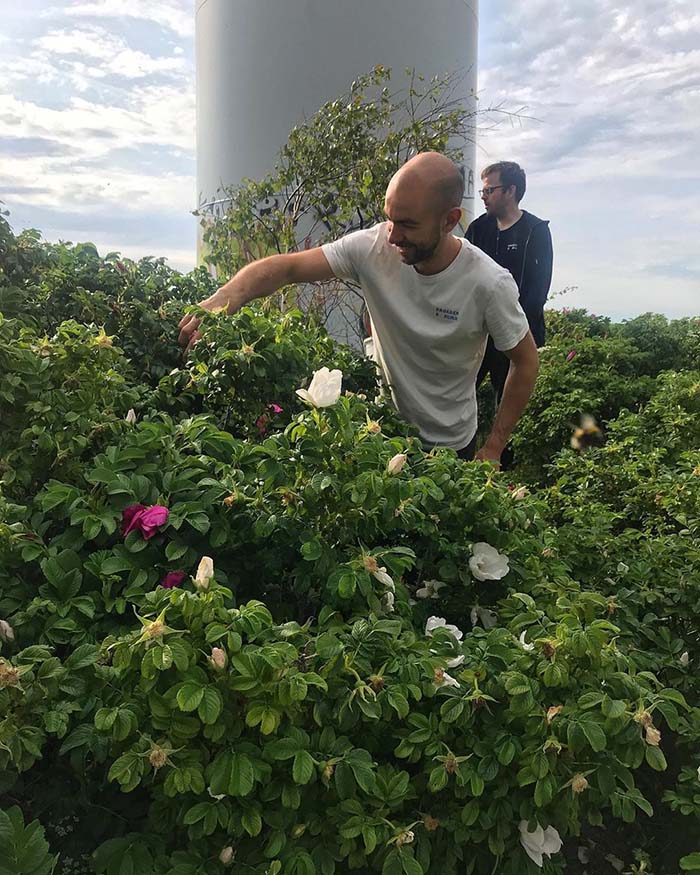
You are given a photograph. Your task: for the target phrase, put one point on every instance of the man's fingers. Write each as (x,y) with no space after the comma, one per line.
(187,329)
(195,337)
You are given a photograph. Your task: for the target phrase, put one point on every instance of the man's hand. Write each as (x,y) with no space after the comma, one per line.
(489,453)
(189,324)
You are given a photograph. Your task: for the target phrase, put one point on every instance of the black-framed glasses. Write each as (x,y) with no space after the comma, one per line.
(490,190)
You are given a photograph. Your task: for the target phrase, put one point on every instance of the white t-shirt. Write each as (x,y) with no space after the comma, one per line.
(429,331)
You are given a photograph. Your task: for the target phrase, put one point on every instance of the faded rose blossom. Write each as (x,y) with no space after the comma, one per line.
(231,499)
(652,736)
(487,563)
(263,420)
(7,633)
(644,718)
(450,765)
(205,572)
(325,387)
(157,757)
(430,823)
(388,601)
(433,623)
(373,427)
(218,658)
(396,463)
(120,266)
(553,711)
(579,783)
(405,838)
(146,520)
(540,842)
(226,855)
(9,675)
(130,417)
(519,493)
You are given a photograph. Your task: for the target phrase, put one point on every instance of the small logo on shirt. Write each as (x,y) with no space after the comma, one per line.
(444,313)
(512,247)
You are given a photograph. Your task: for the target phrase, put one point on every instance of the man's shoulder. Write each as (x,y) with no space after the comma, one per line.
(482,269)
(532,221)
(362,238)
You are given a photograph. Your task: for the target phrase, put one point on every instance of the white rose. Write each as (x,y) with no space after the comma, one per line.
(7,633)
(684,659)
(433,623)
(396,463)
(325,388)
(430,589)
(388,601)
(487,617)
(130,417)
(539,842)
(487,563)
(205,572)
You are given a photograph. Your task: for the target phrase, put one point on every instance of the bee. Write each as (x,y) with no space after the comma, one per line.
(587,435)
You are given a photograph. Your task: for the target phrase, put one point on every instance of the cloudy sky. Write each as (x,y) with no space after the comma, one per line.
(97,125)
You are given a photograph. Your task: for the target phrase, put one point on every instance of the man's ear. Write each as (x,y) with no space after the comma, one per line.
(453,218)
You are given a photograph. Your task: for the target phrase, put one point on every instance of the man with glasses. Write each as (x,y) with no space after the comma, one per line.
(519,242)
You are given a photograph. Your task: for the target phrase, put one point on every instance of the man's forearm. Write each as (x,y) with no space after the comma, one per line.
(254,281)
(516,393)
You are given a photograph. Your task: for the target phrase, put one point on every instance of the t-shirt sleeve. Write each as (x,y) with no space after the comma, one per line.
(504,317)
(343,255)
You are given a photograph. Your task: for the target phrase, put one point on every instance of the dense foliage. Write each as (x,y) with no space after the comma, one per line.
(239,629)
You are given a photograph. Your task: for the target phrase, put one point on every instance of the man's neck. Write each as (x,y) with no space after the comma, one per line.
(442,258)
(512,216)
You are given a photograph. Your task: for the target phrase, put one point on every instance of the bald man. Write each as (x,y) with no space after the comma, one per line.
(433,299)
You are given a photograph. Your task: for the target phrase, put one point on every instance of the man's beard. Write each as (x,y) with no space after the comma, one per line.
(417,252)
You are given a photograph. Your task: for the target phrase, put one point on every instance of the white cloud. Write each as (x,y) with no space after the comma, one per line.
(177,15)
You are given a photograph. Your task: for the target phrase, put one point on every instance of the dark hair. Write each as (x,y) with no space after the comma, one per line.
(510,173)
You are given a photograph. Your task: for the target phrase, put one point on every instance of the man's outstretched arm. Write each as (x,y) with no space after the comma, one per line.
(257,280)
(524,365)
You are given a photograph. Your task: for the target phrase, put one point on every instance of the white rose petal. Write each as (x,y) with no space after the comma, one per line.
(448,681)
(487,563)
(539,842)
(130,417)
(485,616)
(7,633)
(226,855)
(684,659)
(216,796)
(519,493)
(325,388)
(523,643)
(433,623)
(698,773)
(205,572)
(382,576)
(388,601)
(458,660)
(396,463)
(430,589)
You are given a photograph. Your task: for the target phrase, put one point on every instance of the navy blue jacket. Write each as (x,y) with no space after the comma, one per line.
(525,249)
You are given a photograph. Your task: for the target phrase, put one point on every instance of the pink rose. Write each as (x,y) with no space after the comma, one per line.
(173,579)
(571,354)
(147,520)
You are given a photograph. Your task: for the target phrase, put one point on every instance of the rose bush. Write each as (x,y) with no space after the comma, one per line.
(312,647)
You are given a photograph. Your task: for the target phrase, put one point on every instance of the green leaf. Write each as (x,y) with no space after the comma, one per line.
(691,862)
(303,768)
(594,735)
(655,757)
(211,706)
(189,696)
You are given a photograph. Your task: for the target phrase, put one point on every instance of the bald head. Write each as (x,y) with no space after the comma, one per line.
(430,177)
